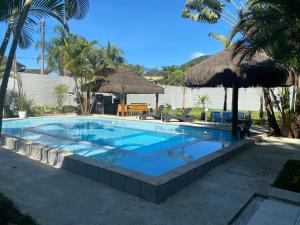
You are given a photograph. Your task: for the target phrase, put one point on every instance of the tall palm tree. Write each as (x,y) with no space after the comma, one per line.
(58,9)
(55,50)
(110,59)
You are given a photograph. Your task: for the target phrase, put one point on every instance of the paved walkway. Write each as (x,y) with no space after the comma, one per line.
(275,212)
(57,197)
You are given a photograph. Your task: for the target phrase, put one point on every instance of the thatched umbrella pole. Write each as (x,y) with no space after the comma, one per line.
(235,109)
(156,101)
(123,103)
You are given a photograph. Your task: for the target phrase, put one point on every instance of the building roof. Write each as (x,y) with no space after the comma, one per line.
(35,71)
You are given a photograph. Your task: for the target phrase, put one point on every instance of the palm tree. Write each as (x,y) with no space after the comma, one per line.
(37,9)
(74,56)
(212,11)
(110,59)
(58,9)
(55,50)
(279,39)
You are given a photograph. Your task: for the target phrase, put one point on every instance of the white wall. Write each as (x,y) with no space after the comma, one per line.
(41,90)
(248,98)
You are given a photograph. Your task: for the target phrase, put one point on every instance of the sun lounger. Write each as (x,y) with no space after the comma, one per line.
(216,116)
(157,115)
(183,118)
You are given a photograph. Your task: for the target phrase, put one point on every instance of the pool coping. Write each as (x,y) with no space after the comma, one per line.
(153,189)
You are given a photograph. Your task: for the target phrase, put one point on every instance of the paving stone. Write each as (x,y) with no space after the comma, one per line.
(280,209)
(261,218)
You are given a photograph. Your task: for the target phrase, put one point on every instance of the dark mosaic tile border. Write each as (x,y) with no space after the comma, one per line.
(153,189)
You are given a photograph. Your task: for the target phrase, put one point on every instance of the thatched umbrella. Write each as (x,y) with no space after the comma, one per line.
(126,82)
(224,70)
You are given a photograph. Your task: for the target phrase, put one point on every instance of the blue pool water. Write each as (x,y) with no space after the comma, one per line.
(145,147)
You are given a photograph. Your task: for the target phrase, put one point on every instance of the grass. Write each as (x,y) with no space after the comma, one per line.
(9,214)
(196,112)
(289,177)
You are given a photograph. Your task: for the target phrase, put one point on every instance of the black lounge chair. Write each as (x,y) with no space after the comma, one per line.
(157,115)
(183,118)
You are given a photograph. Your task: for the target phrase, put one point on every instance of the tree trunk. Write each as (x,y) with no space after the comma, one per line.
(183,97)
(78,94)
(261,110)
(273,125)
(11,55)
(225,100)
(296,124)
(5,42)
(235,110)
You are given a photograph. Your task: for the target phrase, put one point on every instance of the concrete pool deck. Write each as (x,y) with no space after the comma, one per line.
(55,196)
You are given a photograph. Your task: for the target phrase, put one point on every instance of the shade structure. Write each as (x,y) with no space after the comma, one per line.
(126,82)
(224,70)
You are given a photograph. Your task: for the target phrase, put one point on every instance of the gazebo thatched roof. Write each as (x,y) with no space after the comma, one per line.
(126,82)
(223,70)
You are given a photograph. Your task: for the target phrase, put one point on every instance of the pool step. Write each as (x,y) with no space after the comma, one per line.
(46,155)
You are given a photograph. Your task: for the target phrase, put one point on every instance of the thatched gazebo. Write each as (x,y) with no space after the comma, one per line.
(126,82)
(224,70)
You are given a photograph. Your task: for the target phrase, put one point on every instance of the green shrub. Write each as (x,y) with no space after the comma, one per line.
(9,214)
(43,110)
(61,92)
(289,176)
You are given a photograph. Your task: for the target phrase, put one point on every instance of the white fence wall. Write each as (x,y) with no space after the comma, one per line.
(248,98)
(41,90)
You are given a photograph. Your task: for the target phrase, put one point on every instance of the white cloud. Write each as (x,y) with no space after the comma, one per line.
(197,55)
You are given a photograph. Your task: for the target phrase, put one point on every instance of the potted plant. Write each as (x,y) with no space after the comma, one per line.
(201,103)
(23,105)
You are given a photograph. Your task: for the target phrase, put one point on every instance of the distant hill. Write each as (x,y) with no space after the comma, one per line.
(195,61)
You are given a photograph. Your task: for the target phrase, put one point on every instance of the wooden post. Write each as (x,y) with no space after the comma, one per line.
(123,103)
(43,47)
(156,101)
(235,109)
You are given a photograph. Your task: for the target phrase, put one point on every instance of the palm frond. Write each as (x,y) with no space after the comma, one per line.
(76,9)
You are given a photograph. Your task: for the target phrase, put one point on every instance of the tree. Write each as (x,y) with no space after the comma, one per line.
(212,11)
(85,61)
(203,101)
(279,39)
(177,78)
(110,59)
(37,10)
(67,9)
(61,92)
(55,50)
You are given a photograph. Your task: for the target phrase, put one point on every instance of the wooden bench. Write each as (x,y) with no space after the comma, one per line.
(138,107)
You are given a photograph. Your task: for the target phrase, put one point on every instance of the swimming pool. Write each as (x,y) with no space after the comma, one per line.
(149,148)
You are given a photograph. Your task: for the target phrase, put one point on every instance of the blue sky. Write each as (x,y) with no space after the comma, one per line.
(151,33)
